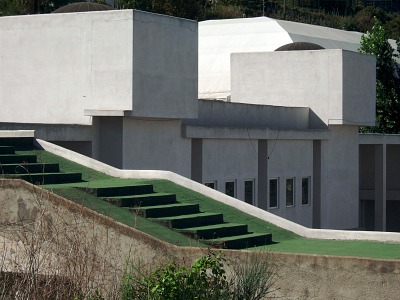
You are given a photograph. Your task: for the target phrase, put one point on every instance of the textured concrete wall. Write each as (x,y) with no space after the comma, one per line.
(221,113)
(230,160)
(297,276)
(164,66)
(340,178)
(155,145)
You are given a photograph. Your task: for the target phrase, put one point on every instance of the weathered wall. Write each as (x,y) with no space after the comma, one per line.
(298,276)
(155,145)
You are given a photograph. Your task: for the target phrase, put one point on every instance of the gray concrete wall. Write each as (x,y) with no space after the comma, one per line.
(155,145)
(221,113)
(230,160)
(340,179)
(291,159)
(164,66)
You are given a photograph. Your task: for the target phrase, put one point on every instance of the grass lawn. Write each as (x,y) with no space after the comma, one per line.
(284,241)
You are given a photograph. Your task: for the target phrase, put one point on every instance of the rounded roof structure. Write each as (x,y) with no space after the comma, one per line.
(82,7)
(298,46)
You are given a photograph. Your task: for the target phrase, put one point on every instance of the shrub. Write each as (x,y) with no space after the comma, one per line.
(205,279)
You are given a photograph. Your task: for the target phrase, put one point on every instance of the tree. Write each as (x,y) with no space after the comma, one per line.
(387,79)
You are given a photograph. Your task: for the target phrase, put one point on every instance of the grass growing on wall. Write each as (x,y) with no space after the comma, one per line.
(284,241)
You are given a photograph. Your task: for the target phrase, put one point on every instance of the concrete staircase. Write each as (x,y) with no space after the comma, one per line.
(26,167)
(209,227)
(141,199)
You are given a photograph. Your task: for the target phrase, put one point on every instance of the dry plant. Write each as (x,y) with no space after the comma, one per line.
(49,253)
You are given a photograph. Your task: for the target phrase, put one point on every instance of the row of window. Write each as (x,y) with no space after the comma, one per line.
(230,189)
(290,191)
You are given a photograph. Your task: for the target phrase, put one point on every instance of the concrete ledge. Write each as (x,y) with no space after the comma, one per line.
(378,138)
(203,132)
(16,133)
(392,237)
(104,113)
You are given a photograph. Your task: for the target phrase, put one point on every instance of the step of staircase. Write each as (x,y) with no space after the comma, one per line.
(241,241)
(215,231)
(170,210)
(17,141)
(128,190)
(7,150)
(29,168)
(17,158)
(50,178)
(142,200)
(192,220)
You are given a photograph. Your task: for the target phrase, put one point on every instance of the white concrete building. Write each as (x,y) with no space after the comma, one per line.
(210,101)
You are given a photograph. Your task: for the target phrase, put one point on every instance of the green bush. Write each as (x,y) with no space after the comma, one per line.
(205,279)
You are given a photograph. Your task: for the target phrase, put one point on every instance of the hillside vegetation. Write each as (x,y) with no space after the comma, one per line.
(353,15)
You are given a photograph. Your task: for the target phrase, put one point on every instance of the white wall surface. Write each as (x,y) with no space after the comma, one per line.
(340,179)
(54,67)
(154,145)
(230,160)
(333,83)
(291,159)
(218,39)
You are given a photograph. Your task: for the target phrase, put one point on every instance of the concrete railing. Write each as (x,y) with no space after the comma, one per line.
(393,237)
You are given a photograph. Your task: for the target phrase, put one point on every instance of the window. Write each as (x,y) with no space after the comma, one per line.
(211,184)
(230,188)
(290,192)
(273,193)
(249,191)
(305,190)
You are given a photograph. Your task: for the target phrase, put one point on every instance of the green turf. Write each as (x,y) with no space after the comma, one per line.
(284,241)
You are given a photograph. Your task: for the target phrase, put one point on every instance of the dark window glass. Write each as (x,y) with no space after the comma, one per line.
(230,188)
(273,192)
(305,191)
(248,191)
(289,192)
(210,184)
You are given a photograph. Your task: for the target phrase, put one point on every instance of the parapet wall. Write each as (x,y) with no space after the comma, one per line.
(297,276)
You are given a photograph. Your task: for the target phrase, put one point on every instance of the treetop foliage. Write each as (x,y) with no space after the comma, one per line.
(375,42)
(347,15)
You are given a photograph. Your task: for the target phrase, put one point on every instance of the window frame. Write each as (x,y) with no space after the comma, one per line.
(293,179)
(277,192)
(234,187)
(214,182)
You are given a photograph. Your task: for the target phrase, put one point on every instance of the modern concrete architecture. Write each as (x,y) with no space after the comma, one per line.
(211,101)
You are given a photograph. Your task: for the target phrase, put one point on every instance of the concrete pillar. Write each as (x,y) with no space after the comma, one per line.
(316,185)
(380,187)
(197,160)
(262,174)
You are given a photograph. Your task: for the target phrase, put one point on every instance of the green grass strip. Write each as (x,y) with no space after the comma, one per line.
(284,241)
